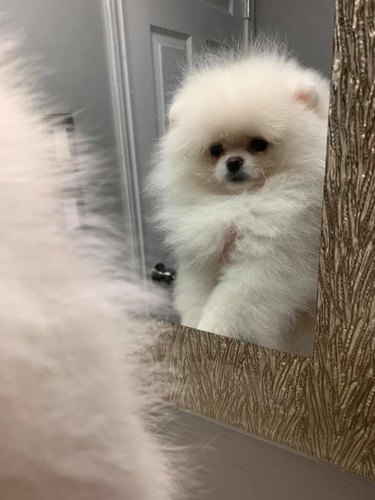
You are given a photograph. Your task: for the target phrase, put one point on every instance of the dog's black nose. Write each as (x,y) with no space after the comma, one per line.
(234,163)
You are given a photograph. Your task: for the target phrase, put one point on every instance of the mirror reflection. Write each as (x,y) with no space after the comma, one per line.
(218,143)
(239,181)
(235,194)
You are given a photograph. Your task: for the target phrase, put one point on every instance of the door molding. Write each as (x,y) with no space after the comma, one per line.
(249,33)
(114,23)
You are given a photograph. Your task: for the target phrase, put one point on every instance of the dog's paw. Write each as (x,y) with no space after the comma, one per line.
(212,326)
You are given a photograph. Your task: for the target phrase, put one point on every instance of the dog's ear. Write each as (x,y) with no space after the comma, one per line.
(308,88)
(311,90)
(307,92)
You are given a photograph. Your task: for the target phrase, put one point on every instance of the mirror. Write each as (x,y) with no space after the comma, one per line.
(233,157)
(231,211)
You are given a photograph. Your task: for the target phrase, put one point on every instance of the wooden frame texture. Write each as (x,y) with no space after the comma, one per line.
(325,405)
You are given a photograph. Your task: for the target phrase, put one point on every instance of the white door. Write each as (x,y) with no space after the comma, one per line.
(155,37)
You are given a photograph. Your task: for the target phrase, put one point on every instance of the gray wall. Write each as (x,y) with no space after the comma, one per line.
(306,26)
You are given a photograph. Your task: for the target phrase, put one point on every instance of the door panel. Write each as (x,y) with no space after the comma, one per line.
(167,48)
(162,36)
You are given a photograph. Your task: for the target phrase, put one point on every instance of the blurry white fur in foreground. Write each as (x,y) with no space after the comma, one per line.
(72,413)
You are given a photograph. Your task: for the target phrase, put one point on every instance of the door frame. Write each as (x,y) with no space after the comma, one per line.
(114,23)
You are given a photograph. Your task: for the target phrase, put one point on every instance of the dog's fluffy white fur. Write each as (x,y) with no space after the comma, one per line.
(72,408)
(246,241)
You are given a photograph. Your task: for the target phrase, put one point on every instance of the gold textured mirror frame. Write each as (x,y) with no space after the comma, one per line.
(325,405)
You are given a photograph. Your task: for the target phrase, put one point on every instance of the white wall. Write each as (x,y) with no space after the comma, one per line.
(229,465)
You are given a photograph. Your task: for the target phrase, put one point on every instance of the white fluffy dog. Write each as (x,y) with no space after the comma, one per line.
(72,417)
(239,178)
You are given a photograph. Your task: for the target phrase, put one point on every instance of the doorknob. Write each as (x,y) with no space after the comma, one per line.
(161,273)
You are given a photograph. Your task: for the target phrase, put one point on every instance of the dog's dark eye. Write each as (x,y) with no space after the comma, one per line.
(257,145)
(216,150)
